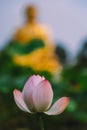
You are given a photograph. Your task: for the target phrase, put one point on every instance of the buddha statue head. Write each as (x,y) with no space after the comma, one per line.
(31,13)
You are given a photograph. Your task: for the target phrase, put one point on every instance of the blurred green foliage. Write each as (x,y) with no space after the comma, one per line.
(16,47)
(73,83)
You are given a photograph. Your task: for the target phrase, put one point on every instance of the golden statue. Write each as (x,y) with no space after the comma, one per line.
(41,59)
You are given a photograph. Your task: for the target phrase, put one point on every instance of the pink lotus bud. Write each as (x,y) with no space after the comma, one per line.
(37,96)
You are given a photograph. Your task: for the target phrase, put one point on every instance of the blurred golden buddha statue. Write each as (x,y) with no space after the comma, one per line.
(41,59)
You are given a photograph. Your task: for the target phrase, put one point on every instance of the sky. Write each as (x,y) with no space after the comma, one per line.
(67,19)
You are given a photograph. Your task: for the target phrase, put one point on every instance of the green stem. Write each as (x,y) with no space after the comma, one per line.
(40,122)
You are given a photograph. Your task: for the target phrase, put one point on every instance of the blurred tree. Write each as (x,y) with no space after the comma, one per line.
(61,54)
(82,56)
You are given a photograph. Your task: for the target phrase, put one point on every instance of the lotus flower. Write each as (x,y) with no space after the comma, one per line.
(37,96)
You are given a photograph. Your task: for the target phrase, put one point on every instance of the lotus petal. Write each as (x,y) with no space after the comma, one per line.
(43,96)
(58,107)
(28,90)
(20,101)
